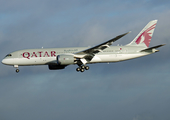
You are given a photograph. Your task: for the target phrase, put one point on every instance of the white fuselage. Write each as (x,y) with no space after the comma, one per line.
(48,56)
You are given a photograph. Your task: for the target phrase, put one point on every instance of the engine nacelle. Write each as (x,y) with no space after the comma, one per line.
(65,59)
(56,67)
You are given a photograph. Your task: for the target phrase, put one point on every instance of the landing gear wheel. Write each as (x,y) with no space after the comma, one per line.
(82,70)
(86,67)
(17,70)
(78,69)
(82,67)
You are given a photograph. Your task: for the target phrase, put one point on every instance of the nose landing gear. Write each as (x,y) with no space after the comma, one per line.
(17,70)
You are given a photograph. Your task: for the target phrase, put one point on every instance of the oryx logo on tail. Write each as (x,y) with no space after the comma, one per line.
(146,36)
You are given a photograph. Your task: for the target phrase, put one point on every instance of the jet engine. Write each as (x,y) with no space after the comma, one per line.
(65,59)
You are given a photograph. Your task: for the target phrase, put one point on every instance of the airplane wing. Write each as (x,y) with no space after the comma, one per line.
(89,53)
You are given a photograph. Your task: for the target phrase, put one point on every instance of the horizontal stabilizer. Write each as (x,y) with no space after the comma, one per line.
(151,48)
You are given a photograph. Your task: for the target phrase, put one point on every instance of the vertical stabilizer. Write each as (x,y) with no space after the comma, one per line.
(144,37)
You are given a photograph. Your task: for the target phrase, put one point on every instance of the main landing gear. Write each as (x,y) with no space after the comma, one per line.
(82,68)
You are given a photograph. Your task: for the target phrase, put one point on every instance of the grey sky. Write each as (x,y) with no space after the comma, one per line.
(137,89)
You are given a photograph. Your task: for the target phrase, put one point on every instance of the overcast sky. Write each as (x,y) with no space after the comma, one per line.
(137,89)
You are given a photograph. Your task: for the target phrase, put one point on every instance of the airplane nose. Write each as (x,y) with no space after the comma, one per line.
(3,61)
(7,61)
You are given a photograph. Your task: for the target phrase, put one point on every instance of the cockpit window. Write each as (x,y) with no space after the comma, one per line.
(9,55)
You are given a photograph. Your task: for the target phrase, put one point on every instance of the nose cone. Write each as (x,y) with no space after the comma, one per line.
(3,61)
(7,61)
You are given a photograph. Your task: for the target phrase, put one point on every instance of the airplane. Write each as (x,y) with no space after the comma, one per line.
(59,58)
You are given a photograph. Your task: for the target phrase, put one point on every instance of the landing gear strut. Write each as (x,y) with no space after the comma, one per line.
(82,68)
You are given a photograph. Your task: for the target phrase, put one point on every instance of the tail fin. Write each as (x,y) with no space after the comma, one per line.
(144,37)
